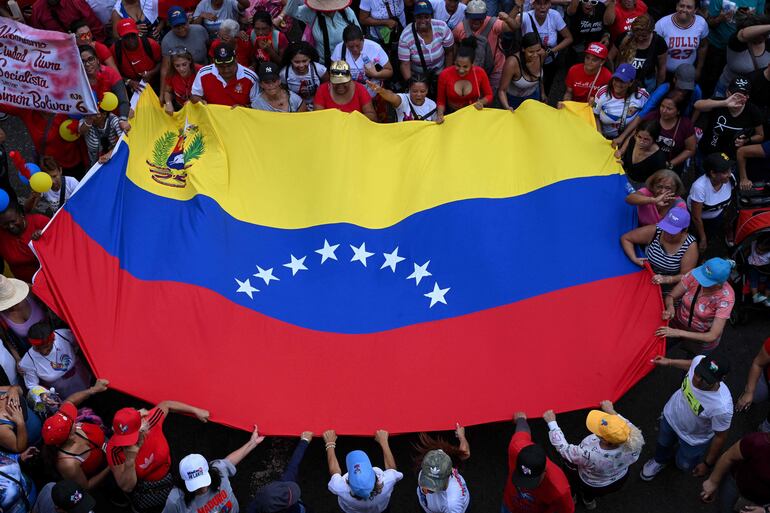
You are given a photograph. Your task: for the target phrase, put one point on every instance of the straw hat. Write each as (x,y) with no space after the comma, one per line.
(327,5)
(12,292)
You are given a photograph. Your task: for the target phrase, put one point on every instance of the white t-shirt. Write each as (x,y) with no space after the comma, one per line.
(440,13)
(52,197)
(695,414)
(8,364)
(682,42)
(714,202)
(548,31)
(454,499)
(304,85)
(60,368)
(379,11)
(610,110)
(756,258)
(371,53)
(404,112)
(338,485)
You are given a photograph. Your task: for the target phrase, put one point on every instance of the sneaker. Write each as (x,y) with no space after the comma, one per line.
(759,298)
(589,505)
(651,469)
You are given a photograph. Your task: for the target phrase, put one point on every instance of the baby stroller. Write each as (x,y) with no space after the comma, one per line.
(753,221)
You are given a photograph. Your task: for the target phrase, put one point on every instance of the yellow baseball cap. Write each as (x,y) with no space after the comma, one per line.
(611,428)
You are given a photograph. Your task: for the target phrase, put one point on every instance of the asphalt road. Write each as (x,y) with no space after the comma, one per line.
(485,472)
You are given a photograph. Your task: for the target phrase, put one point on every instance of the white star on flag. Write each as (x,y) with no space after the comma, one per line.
(327,251)
(296,265)
(420,272)
(246,288)
(360,254)
(266,274)
(392,260)
(437,295)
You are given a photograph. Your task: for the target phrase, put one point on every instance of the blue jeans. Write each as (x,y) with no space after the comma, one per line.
(670,446)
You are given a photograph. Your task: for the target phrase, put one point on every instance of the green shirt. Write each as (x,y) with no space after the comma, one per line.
(719,35)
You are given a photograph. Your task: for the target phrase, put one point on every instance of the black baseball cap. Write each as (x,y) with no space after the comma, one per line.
(267,72)
(70,497)
(712,369)
(718,162)
(530,467)
(223,54)
(740,85)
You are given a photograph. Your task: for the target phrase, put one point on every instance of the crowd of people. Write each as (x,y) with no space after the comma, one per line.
(682,91)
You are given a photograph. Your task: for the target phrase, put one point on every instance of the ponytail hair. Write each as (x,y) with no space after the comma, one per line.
(628,47)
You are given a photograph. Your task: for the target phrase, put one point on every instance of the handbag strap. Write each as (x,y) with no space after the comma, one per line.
(692,306)
(325,34)
(624,115)
(21,489)
(419,49)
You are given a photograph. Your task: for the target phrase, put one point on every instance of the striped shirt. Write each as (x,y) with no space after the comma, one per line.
(663,262)
(101,140)
(433,51)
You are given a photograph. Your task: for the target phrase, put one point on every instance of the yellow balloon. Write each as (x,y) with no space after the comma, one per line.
(109,102)
(68,130)
(40,182)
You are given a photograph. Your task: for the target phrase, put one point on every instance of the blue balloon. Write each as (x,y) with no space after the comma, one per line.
(33,168)
(23,179)
(4,200)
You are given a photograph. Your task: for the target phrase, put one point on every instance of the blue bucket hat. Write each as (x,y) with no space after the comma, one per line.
(714,271)
(361,476)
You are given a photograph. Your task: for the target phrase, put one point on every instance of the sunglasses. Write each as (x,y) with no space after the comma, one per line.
(590,2)
(85,36)
(341,73)
(179,50)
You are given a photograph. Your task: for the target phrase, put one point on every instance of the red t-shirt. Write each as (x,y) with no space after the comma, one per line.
(242,50)
(624,18)
(133,63)
(752,473)
(580,82)
(44,133)
(479,87)
(181,86)
(553,494)
(15,248)
(153,461)
(261,55)
(238,91)
(361,97)
(102,51)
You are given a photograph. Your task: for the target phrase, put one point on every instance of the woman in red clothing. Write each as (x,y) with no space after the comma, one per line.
(343,94)
(105,79)
(464,83)
(79,446)
(179,79)
(16,230)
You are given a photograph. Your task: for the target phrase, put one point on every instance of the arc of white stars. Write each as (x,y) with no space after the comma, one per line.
(437,295)
(266,274)
(246,288)
(360,254)
(327,252)
(296,265)
(392,260)
(420,272)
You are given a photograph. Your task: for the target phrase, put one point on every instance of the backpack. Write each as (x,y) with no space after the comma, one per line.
(485,55)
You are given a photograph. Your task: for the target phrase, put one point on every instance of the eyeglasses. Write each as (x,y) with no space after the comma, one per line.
(89,60)
(179,50)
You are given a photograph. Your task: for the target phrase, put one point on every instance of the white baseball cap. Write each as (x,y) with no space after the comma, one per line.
(194,470)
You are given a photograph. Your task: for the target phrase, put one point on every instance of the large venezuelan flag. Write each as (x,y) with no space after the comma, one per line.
(316,271)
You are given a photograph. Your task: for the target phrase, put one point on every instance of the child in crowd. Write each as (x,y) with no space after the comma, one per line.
(62,187)
(101,133)
(759,257)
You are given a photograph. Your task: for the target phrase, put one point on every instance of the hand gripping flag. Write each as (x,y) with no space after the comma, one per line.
(315,271)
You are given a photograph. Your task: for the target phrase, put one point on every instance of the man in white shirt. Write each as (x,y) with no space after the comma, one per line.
(696,418)
(363,489)
(450,12)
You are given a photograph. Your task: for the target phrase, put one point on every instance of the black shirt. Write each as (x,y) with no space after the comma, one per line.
(587,28)
(642,170)
(646,61)
(722,129)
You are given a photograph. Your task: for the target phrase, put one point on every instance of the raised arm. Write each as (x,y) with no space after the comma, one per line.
(381,437)
(330,438)
(237,455)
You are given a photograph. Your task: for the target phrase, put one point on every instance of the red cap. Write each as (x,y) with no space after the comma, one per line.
(125,427)
(597,50)
(57,427)
(127,26)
